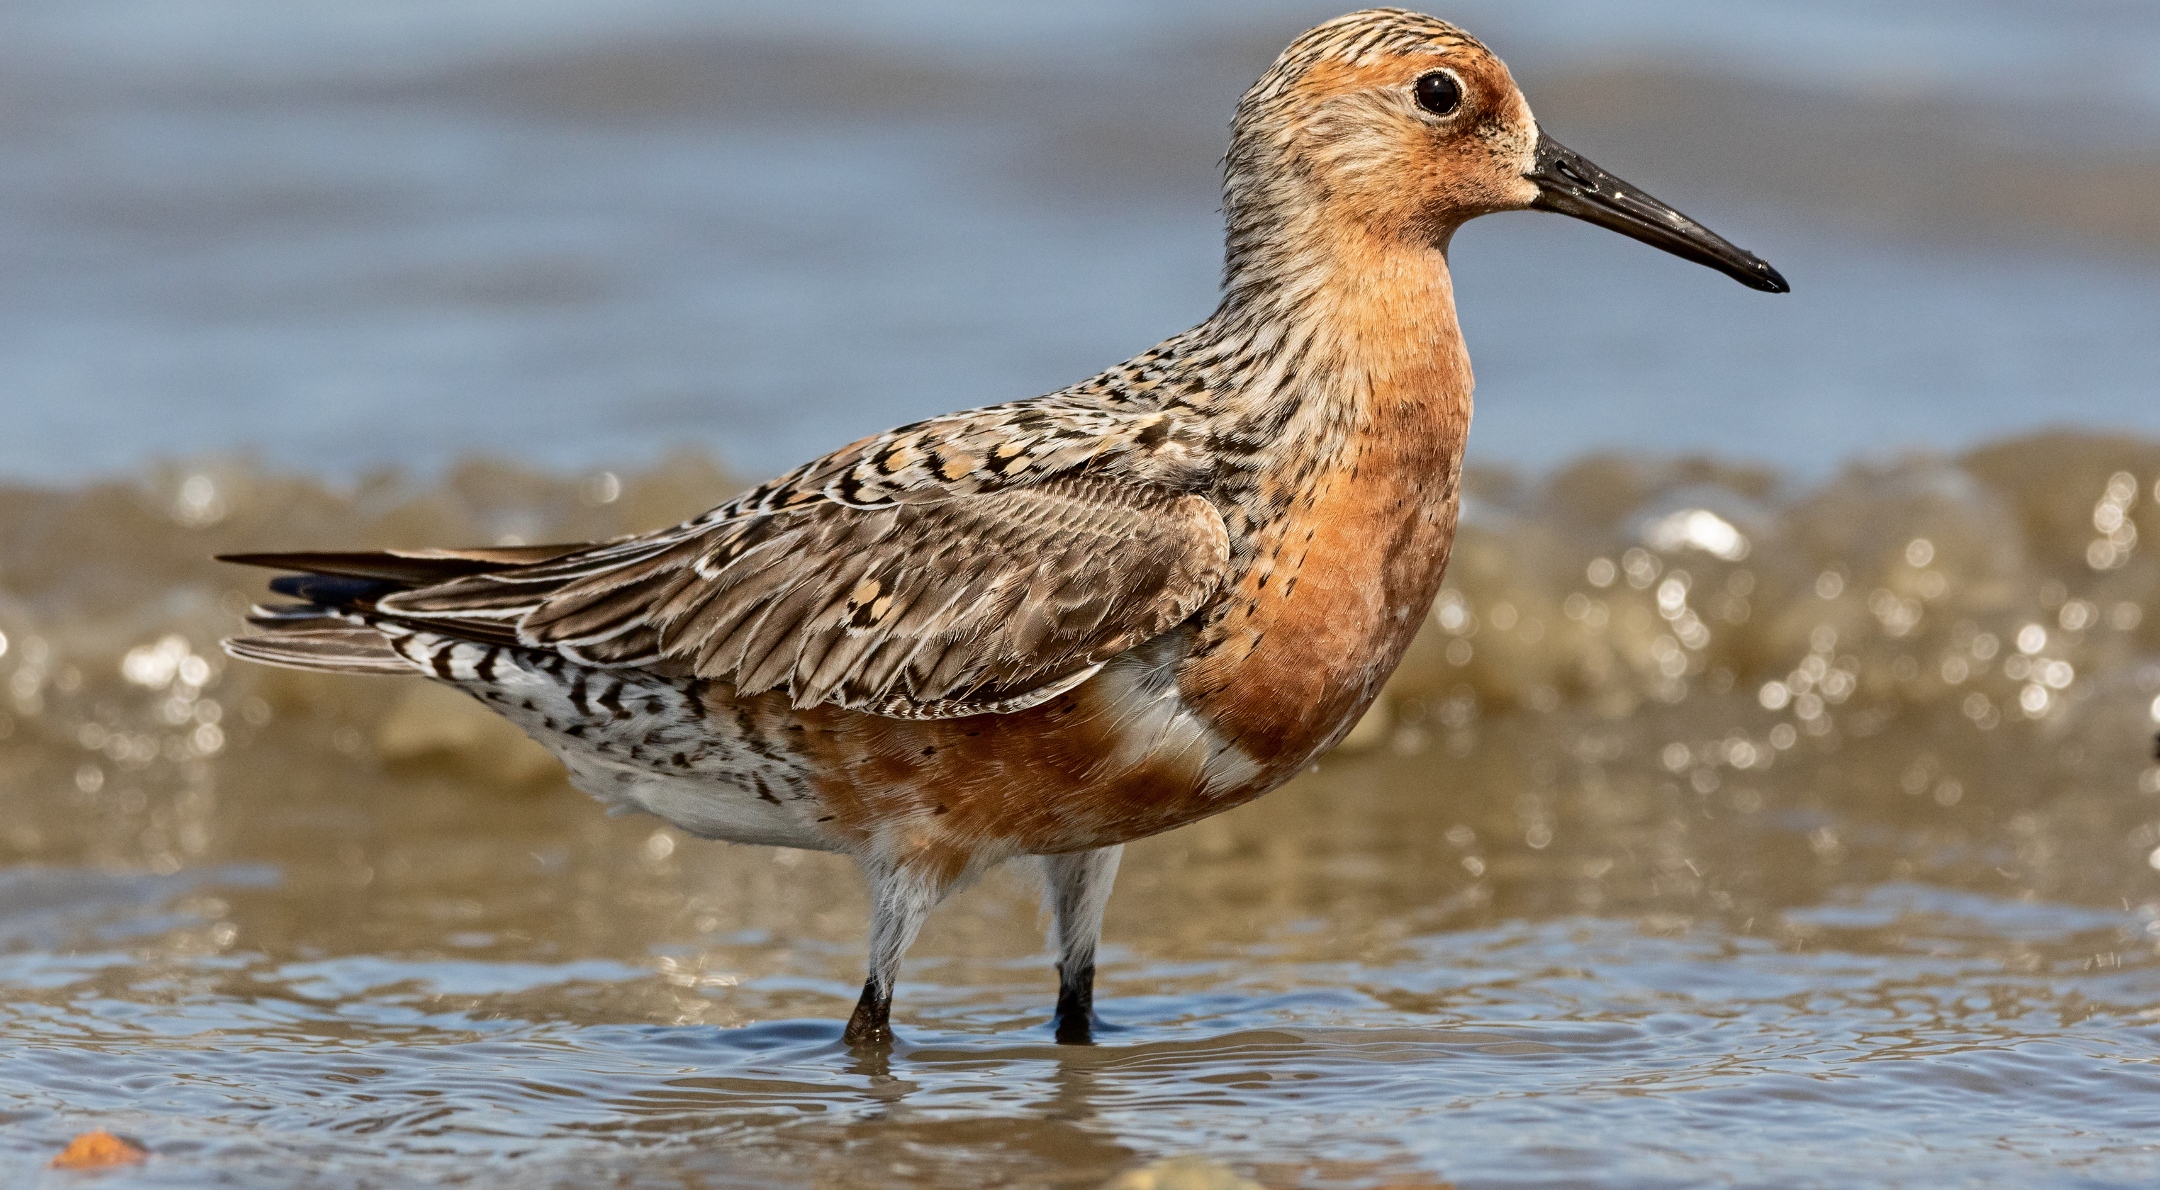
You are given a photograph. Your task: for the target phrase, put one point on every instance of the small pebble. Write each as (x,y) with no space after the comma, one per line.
(99,1150)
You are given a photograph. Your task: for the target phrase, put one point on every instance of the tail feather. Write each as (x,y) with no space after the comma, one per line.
(408,567)
(345,648)
(336,628)
(280,615)
(334,590)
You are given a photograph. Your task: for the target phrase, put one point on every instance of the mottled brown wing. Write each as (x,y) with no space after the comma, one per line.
(969,604)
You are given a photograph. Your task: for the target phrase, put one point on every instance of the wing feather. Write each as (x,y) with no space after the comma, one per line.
(923,608)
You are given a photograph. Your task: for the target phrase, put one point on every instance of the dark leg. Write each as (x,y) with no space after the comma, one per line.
(1075,1019)
(1076,887)
(872,1022)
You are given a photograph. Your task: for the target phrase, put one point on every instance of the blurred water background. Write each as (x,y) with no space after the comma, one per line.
(1770,800)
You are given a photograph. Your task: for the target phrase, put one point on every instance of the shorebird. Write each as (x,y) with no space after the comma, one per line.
(1043,629)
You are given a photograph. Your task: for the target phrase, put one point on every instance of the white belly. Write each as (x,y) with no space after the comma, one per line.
(708,806)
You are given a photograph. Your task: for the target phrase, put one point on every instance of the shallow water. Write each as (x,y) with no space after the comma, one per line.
(1718,830)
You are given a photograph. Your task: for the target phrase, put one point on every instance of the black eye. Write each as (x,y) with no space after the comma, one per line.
(1439,93)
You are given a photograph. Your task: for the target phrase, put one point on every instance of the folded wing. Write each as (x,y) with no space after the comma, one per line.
(936,608)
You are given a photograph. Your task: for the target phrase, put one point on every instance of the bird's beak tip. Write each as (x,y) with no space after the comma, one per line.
(1769,280)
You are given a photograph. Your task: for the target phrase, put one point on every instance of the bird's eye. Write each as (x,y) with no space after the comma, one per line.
(1439,93)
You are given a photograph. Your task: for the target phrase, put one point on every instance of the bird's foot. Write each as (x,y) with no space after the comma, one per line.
(1077,1028)
(1075,1022)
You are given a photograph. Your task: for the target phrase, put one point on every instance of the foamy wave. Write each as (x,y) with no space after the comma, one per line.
(2005,592)
(2011,585)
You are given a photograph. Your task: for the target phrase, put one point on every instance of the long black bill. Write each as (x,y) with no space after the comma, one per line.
(1569,184)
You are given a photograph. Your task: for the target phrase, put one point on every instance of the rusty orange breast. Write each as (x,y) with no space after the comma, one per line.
(1306,648)
(1340,581)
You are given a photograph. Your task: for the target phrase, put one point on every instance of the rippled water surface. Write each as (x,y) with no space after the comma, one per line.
(1904,1034)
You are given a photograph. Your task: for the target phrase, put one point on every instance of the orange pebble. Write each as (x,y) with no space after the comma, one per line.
(97,1150)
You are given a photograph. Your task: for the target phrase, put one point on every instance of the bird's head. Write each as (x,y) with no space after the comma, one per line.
(1401,127)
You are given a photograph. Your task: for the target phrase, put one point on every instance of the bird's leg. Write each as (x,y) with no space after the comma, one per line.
(901,898)
(871,1022)
(1076,887)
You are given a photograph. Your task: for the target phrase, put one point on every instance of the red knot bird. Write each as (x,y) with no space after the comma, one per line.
(1044,629)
